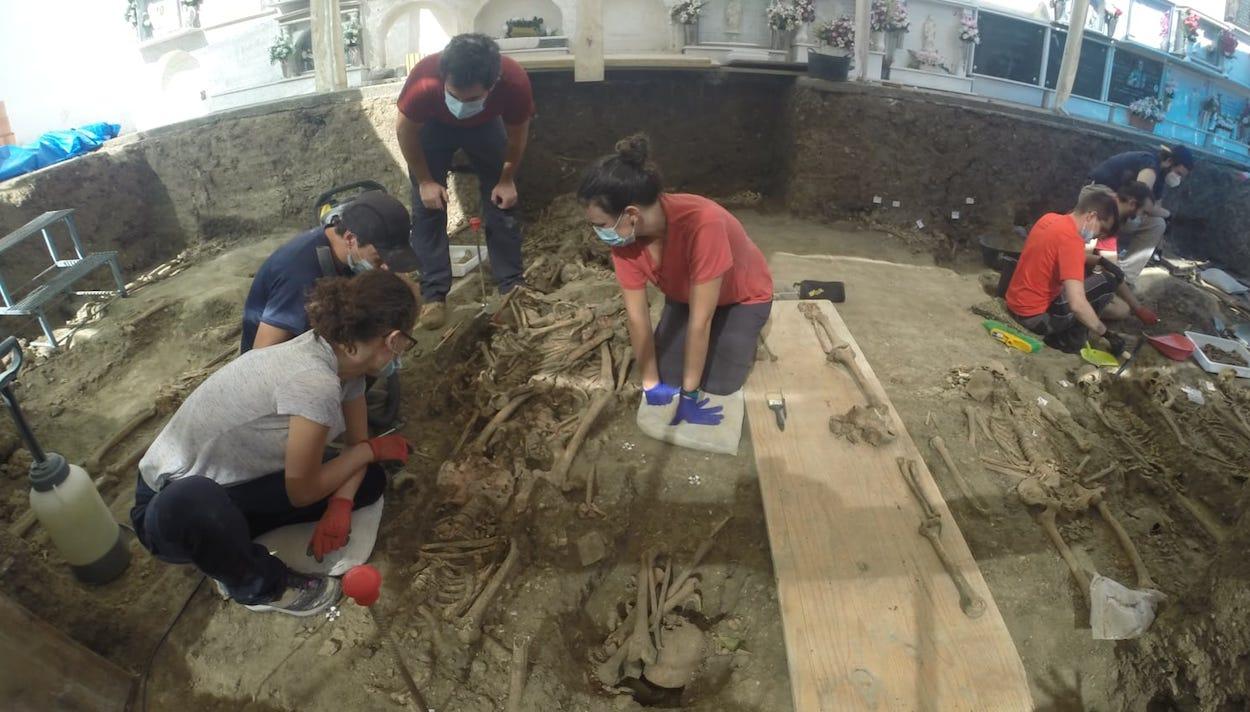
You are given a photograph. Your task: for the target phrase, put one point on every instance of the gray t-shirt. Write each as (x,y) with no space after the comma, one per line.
(234,427)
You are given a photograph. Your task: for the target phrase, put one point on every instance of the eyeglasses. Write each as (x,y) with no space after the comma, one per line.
(407,345)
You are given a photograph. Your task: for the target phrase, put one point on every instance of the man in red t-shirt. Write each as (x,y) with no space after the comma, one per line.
(465,97)
(1050,293)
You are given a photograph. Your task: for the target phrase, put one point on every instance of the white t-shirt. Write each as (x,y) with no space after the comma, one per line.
(234,427)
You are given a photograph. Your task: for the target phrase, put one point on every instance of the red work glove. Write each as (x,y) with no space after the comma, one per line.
(392,448)
(1147,316)
(334,528)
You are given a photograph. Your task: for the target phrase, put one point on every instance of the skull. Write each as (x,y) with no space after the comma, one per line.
(998,369)
(1158,384)
(1089,379)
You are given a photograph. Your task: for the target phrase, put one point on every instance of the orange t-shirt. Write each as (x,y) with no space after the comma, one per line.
(704,241)
(1053,252)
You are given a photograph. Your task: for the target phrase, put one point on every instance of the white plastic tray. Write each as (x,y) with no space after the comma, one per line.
(1210,366)
(460,266)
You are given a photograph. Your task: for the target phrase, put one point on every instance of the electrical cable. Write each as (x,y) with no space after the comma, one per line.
(147,667)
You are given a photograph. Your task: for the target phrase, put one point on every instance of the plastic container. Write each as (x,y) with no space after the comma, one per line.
(464,259)
(78,522)
(64,499)
(1210,366)
(995,247)
(828,67)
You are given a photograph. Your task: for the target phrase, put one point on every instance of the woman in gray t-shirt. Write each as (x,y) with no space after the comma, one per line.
(244,454)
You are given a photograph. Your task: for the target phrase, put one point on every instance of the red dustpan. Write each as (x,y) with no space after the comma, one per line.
(1177,347)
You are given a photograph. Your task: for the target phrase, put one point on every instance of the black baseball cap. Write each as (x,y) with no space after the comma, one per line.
(378,219)
(1182,156)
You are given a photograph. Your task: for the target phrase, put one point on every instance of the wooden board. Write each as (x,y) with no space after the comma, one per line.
(45,670)
(588,42)
(871,619)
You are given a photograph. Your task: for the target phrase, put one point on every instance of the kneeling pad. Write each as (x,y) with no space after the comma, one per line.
(723,439)
(290,543)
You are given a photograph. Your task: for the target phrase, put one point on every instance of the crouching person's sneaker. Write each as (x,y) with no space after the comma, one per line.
(304,595)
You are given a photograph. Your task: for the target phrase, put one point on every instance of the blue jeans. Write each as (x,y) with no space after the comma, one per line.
(486,146)
(195,520)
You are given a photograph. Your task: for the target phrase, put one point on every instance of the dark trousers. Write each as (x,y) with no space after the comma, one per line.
(195,520)
(1059,326)
(730,350)
(486,147)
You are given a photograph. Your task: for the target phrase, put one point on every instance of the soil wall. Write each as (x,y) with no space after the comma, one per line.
(827,149)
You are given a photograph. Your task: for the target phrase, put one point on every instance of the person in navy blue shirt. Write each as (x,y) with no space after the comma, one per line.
(1158,170)
(369,232)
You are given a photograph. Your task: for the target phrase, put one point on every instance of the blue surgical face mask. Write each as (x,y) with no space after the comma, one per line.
(1088,233)
(464,109)
(357,264)
(611,237)
(391,367)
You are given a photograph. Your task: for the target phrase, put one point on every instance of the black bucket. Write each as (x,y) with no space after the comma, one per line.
(995,247)
(828,67)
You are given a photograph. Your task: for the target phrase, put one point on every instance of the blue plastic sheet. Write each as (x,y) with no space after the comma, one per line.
(54,147)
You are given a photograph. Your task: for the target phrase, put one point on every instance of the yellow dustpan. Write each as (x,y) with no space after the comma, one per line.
(1102,359)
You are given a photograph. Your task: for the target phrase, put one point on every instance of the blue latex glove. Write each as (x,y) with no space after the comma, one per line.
(660,394)
(695,411)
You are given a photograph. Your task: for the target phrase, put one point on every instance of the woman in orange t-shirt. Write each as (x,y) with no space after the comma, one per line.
(717,289)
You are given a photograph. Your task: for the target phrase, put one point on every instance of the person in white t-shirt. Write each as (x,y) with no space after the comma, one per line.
(244,454)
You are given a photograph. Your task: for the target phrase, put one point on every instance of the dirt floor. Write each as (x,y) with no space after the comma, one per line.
(578,565)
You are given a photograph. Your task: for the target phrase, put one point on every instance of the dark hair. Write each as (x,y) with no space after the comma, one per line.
(622,179)
(1103,204)
(470,59)
(345,310)
(1135,190)
(1178,154)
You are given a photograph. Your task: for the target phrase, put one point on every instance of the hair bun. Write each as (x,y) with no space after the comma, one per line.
(634,149)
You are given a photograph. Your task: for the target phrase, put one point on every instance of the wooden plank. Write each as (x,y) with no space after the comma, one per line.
(45,670)
(871,619)
(588,42)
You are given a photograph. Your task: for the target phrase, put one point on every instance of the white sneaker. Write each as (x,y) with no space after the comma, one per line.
(304,595)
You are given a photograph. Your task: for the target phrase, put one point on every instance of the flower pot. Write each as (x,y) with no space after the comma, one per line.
(1141,123)
(783,40)
(966,59)
(828,65)
(690,34)
(1111,23)
(353,55)
(876,41)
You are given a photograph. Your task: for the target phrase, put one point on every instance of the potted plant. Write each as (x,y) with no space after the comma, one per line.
(969,35)
(1144,113)
(1228,49)
(839,36)
(686,13)
(524,27)
(783,20)
(876,23)
(280,51)
(351,41)
(1189,26)
(896,25)
(1169,93)
(1111,17)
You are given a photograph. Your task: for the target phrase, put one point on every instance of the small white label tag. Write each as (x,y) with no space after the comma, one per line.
(876,200)
(954,215)
(970,201)
(920,224)
(897,204)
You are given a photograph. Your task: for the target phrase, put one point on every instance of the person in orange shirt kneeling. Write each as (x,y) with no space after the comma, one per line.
(717,288)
